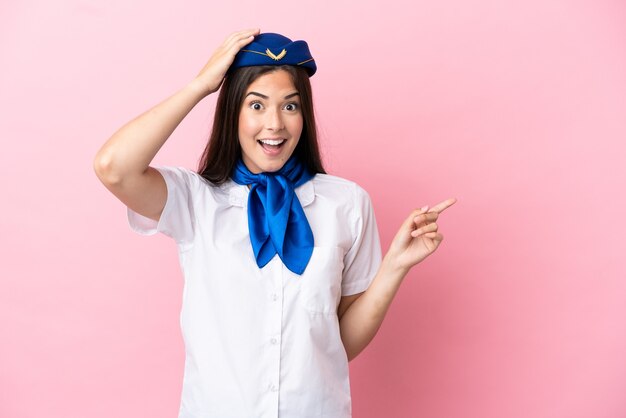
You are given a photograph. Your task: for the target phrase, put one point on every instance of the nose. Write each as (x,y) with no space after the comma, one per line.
(274,120)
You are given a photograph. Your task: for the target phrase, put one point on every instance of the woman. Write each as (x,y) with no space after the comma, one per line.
(284,282)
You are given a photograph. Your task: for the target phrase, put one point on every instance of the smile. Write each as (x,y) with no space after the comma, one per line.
(278,141)
(272,147)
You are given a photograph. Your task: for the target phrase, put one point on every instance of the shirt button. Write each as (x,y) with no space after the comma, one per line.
(273,388)
(273,340)
(274,297)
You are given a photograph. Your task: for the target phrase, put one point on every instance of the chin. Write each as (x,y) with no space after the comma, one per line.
(265,164)
(271,166)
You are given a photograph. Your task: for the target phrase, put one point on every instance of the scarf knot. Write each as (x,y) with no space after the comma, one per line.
(276,220)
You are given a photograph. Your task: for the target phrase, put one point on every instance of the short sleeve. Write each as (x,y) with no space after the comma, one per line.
(363,259)
(177,218)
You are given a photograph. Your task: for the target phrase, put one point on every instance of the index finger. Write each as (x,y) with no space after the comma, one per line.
(233,37)
(440,207)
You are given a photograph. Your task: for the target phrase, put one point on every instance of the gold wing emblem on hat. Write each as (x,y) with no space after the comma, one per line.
(275,57)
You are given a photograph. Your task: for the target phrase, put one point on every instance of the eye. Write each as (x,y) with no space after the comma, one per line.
(291,106)
(256,105)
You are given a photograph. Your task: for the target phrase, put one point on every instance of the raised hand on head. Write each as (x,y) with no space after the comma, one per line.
(210,78)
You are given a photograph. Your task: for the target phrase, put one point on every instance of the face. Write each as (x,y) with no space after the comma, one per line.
(270,122)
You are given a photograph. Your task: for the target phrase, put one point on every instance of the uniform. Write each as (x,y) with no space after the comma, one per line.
(264,342)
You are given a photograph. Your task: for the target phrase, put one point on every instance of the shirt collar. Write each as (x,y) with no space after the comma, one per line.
(238,193)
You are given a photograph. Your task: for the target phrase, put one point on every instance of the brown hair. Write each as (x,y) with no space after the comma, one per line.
(223,149)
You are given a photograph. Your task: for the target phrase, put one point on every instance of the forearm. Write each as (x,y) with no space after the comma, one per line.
(361,321)
(131,149)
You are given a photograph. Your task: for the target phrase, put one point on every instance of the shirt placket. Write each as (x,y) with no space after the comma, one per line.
(275,338)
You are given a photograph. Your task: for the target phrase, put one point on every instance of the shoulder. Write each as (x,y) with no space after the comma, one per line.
(344,204)
(339,189)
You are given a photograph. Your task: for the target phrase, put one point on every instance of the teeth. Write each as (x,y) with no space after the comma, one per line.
(272,141)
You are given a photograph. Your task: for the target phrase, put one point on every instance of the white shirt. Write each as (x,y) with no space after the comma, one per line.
(264,342)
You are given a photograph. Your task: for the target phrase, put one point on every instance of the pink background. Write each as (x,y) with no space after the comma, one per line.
(517,109)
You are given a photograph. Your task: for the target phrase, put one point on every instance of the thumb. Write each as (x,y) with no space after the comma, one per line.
(409,223)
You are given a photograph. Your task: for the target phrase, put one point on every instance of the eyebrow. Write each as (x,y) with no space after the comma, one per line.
(289,96)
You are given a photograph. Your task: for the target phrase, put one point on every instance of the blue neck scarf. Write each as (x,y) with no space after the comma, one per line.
(276,220)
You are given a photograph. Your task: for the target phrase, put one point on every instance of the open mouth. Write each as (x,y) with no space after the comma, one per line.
(272,146)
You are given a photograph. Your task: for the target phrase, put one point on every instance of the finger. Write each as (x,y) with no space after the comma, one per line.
(436,236)
(242,33)
(440,207)
(410,221)
(231,49)
(237,37)
(243,41)
(231,38)
(233,46)
(425,217)
(432,227)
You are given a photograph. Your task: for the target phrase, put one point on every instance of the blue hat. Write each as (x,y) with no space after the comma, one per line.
(275,49)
